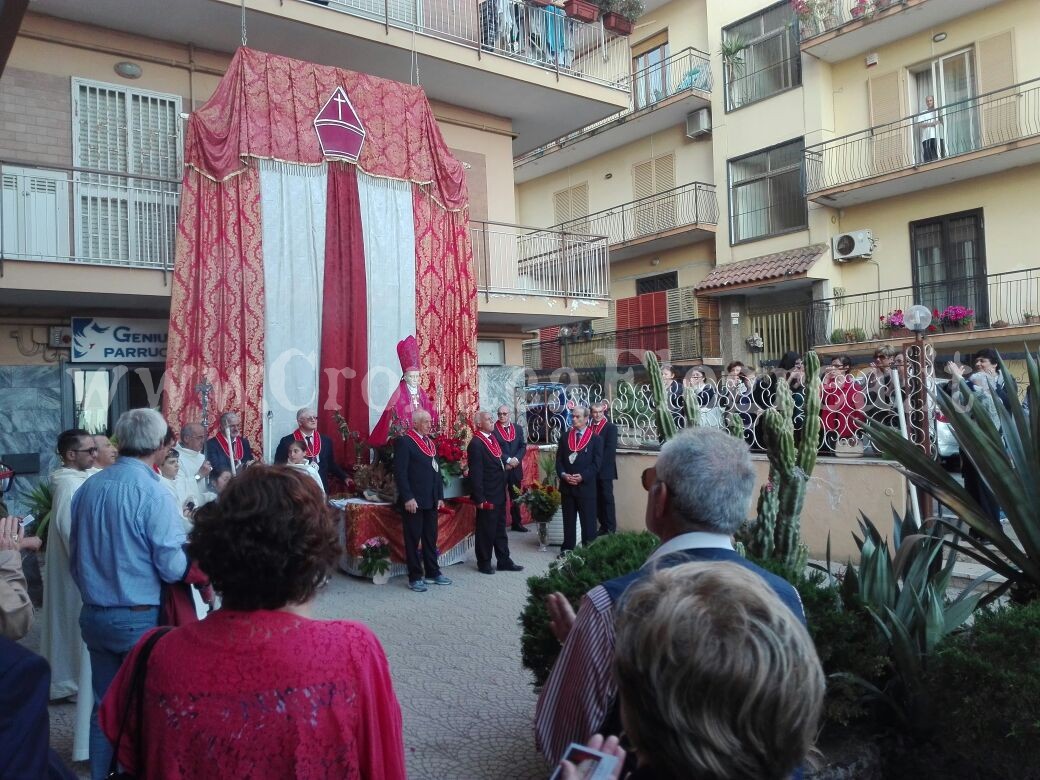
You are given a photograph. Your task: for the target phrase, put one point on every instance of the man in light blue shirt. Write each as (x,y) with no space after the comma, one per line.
(127,539)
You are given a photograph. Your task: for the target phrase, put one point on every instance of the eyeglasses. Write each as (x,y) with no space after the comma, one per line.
(91,450)
(308,417)
(503,414)
(649,478)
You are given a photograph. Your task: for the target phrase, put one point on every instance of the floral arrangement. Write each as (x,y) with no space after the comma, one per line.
(542,500)
(451,449)
(862,8)
(892,320)
(803,9)
(956,315)
(375,556)
(755,342)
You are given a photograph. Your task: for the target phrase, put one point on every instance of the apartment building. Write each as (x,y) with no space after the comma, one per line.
(93,100)
(862,156)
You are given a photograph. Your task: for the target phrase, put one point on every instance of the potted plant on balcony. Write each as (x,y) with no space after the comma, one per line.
(1030,318)
(539,3)
(957,318)
(619,15)
(582,10)
(848,336)
(861,8)
(892,325)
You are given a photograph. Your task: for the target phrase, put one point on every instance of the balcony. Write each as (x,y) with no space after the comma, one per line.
(979,136)
(1007,307)
(535,278)
(678,217)
(833,33)
(549,74)
(660,97)
(683,341)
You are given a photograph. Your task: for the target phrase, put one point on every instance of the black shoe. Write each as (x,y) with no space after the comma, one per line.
(510,567)
(519,529)
(485,570)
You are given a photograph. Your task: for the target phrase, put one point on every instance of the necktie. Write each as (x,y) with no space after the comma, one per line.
(310,445)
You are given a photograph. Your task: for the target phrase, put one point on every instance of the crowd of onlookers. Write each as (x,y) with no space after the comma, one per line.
(711,671)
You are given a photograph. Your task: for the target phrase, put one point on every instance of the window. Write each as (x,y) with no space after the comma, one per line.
(570,205)
(949,257)
(657,283)
(122,218)
(491,352)
(650,77)
(765,57)
(765,196)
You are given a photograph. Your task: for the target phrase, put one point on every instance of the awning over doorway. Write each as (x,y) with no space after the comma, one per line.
(791,264)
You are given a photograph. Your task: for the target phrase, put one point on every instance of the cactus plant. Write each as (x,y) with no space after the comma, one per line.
(776,533)
(735,424)
(665,422)
(693,407)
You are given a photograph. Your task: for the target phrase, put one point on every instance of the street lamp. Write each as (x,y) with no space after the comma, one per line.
(917,319)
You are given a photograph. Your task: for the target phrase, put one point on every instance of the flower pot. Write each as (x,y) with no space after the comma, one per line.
(381,579)
(618,23)
(856,12)
(539,3)
(1033,319)
(456,487)
(830,22)
(581,10)
(555,530)
(896,333)
(957,327)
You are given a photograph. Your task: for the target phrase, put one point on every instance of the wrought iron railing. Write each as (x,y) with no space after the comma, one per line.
(86,215)
(983,122)
(584,350)
(827,15)
(542,37)
(997,300)
(684,72)
(511,259)
(890,396)
(688,204)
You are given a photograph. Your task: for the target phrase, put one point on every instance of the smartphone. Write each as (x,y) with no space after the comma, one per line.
(27,521)
(591,764)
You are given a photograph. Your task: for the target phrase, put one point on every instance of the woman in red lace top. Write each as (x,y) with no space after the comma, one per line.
(258,689)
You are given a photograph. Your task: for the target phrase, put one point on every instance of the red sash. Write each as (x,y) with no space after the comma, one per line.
(315,449)
(507,436)
(574,443)
(597,427)
(425,445)
(223,442)
(491,443)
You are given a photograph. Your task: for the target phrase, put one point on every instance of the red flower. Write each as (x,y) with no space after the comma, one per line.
(550,489)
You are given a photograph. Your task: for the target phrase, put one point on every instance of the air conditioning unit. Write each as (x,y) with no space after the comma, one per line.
(698,123)
(850,246)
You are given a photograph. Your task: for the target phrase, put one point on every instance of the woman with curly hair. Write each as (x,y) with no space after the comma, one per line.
(259,689)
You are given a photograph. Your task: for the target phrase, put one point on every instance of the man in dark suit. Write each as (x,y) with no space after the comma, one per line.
(511,439)
(317,445)
(227,443)
(607,431)
(420,493)
(487,476)
(578,457)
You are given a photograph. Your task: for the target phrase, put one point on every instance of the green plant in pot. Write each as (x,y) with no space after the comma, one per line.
(619,15)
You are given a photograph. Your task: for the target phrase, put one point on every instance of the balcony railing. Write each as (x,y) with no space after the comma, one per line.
(999,300)
(543,37)
(684,72)
(689,204)
(511,259)
(830,15)
(85,215)
(990,120)
(585,350)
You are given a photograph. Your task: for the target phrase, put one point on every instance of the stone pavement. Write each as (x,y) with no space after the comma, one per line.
(454,653)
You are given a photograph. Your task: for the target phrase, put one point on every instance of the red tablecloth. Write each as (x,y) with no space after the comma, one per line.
(365,521)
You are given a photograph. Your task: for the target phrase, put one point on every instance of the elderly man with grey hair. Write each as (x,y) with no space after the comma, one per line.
(127,539)
(229,444)
(317,447)
(698,495)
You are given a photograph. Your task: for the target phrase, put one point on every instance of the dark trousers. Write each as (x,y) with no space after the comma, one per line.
(420,526)
(930,148)
(491,535)
(976,488)
(514,478)
(575,507)
(605,506)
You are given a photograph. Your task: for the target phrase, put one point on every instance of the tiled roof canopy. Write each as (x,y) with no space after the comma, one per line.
(780,265)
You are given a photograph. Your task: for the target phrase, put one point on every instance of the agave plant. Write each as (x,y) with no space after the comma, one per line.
(39,500)
(1007,460)
(906,596)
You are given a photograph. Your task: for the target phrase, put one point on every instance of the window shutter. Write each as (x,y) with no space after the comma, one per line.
(664,180)
(562,206)
(570,204)
(996,66)
(643,187)
(891,146)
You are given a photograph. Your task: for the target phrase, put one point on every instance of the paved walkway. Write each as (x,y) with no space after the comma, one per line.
(454,653)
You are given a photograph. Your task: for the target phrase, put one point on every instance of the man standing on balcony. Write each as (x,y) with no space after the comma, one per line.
(511,439)
(607,431)
(930,123)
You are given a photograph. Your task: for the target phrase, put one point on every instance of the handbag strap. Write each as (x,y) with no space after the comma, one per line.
(136,691)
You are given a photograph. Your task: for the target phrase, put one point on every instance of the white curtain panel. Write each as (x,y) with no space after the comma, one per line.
(388,228)
(292,209)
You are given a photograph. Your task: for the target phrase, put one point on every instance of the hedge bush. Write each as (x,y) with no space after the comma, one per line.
(607,557)
(985,690)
